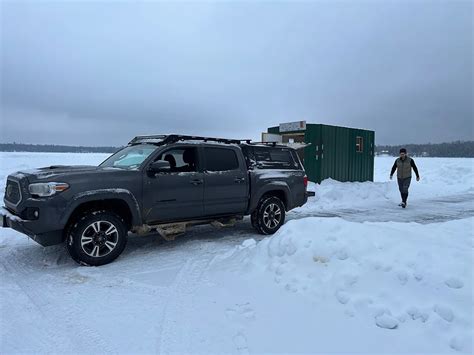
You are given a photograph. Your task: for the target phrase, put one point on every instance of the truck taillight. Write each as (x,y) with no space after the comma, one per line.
(305,181)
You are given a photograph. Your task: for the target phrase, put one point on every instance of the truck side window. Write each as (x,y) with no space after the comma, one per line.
(180,159)
(262,154)
(220,159)
(275,158)
(249,156)
(281,156)
(298,159)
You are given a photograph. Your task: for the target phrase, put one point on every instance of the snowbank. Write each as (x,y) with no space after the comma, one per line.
(391,275)
(440,177)
(331,193)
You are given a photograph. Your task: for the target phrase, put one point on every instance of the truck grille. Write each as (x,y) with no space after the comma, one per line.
(12,192)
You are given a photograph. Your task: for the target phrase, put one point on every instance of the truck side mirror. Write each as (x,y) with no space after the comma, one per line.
(160,166)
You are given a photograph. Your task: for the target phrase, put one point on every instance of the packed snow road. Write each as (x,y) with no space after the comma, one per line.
(373,278)
(424,210)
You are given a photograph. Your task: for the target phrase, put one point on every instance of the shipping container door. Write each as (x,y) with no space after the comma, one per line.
(312,152)
(353,155)
(372,156)
(342,154)
(328,151)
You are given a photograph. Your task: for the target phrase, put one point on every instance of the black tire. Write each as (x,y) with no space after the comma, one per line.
(97,238)
(254,220)
(269,215)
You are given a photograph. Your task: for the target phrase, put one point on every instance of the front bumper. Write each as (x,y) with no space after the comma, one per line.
(10,220)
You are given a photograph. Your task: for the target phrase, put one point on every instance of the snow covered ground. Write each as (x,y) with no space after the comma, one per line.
(350,272)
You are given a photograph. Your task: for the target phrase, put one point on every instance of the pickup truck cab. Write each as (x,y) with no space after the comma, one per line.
(161,183)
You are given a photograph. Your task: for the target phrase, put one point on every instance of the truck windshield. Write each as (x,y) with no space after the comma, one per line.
(129,157)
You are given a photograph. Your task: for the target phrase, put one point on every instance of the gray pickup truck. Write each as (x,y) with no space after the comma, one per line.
(159,183)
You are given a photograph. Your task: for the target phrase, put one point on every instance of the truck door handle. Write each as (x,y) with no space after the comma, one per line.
(239,180)
(196,182)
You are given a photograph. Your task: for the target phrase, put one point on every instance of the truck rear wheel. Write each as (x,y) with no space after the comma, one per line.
(97,238)
(269,215)
(253,219)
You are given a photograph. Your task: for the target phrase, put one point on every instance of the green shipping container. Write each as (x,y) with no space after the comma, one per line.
(340,153)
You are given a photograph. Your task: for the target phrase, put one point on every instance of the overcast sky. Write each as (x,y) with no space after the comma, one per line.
(98,73)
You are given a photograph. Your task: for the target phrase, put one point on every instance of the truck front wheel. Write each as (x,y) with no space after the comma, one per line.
(97,238)
(269,215)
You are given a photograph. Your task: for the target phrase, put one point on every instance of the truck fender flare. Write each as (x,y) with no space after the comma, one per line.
(104,194)
(279,186)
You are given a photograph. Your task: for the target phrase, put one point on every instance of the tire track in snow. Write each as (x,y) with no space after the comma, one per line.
(36,314)
(66,318)
(175,330)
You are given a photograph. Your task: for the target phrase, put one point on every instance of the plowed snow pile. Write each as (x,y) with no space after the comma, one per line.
(409,279)
(439,178)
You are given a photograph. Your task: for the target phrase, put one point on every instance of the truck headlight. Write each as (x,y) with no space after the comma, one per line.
(45,189)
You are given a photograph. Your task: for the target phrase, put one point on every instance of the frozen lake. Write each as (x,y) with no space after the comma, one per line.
(349,272)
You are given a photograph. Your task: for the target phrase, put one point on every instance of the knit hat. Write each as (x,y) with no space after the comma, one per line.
(403,150)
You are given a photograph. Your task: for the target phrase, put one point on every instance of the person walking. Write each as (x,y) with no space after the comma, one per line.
(403,165)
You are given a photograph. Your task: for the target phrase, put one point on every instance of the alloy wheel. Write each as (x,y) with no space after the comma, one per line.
(272,215)
(99,238)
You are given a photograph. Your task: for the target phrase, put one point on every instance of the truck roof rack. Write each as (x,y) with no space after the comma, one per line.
(273,144)
(295,145)
(162,139)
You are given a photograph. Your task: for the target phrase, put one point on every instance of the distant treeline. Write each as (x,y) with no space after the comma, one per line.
(20,147)
(454,149)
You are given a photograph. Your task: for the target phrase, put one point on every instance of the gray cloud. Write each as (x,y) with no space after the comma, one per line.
(100,72)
